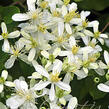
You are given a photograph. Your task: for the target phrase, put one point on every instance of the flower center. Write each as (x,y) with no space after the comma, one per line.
(97,34)
(92,45)
(85,24)
(2,80)
(68,17)
(44,4)
(34,15)
(4,35)
(60,39)
(33,43)
(55,77)
(75,50)
(42,28)
(86,64)
(55,13)
(16,52)
(66,2)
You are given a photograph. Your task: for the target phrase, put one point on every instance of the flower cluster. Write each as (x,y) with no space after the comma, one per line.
(60,43)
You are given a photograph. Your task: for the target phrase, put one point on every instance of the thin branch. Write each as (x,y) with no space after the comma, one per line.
(105,27)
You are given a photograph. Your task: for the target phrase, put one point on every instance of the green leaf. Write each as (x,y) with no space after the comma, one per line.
(2,106)
(94,4)
(7,12)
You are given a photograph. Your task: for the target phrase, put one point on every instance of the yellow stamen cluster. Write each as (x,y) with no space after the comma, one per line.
(75,50)
(97,34)
(44,4)
(68,17)
(85,24)
(66,2)
(86,63)
(92,44)
(55,77)
(34,15)
(55,13)
(60,39)
(33,43)
(42,28)
(4,35)
(16,52)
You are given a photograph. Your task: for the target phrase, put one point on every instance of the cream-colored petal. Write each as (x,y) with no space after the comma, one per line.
(4,74)
(14,34)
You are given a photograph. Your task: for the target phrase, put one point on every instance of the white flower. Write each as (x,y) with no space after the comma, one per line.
(23,96)
(5,35)
(98,34)
(103,87)
(16,52)
(50,56)
(32,14)
(3,81)
(53,79)
(34,44)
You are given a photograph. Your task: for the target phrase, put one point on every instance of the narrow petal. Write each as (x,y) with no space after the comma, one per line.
(1,87)
(104,35)
(31,4)
(45,54)
(64,10)
(32,54)
(103,87)
(56,52)
(4,74)
(9,84)
(64,53)
(106,57)
(14,34)
(72,41)
(73,7)
(52,93)
(15,102)
(68,28)
(41,85)
(60,28)
(20,17)
(72,103)
(57,67)
(6,46)
(10,62)
(63,86)
(40,69)
(3,27)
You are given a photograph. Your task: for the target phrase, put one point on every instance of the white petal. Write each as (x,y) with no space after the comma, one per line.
(67,78)
(1,87)
(21,85)
(63,86)
(9,84)
(26,35)
(73,7)
(14,34)
(4,74)
(76,21)
(68,28)
(100,71)
(103,87)
(64,10)
(14,102)
(41,85)
(72,41)
(57,67)
(56,52)
(81,74)
(40,69)
(64,53)
(20,17)
(104,35)
(31,4)
(72,103)
(10,62)
(45,54)
(6,46)
(106,57)
(93,65)
(101,41)
(32,54)
(60,28)
(3,27)
(88,33)
(95,26)
(52,93)
(102,65)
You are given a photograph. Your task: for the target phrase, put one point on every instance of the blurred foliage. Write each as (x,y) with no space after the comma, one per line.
(84,90)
